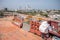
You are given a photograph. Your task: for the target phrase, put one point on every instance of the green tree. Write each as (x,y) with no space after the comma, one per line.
(48,11)
(1,14)
(41,12)
(46,15)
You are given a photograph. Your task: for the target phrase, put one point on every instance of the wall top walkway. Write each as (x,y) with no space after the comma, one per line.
(8,31)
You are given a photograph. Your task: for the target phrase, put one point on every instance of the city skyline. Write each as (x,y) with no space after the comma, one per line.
(33,4)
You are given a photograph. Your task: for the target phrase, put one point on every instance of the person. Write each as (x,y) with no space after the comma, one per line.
(21,21)
(46,29)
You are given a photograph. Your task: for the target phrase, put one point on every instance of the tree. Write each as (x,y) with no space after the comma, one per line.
(1,14)
(46,15)
(41,12)
(48,11)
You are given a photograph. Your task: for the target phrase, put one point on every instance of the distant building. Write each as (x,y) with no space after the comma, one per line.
(56,16)
(10,13)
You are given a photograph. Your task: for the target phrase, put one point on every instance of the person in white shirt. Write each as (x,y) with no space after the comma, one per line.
(44,28)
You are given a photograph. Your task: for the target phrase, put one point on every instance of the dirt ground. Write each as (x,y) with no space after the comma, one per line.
(9,31)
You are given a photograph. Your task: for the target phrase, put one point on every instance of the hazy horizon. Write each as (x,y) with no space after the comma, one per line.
(32,4)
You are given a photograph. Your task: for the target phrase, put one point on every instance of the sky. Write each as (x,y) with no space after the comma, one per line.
(33,4)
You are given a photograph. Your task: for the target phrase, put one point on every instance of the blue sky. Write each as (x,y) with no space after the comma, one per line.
(35,4)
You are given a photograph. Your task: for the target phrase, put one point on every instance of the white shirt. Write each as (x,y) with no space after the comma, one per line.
(45,27)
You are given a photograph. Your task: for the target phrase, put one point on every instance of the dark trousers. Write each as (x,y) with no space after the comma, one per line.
(45,35)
